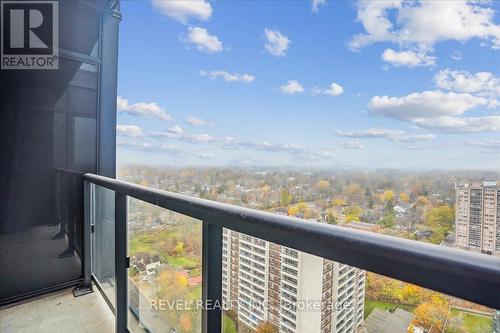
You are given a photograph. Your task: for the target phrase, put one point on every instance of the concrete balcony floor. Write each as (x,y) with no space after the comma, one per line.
(59,313)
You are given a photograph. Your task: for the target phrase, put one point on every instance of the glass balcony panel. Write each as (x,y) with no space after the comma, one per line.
(165,270)
(321,295)
(103,241)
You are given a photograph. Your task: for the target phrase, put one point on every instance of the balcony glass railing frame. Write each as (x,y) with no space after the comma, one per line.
(470,276)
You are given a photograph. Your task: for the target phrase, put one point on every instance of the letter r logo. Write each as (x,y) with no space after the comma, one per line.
(27,27)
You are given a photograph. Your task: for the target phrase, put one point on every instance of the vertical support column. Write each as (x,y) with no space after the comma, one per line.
(107,94)
(121,262)
(212,278)
(87,233)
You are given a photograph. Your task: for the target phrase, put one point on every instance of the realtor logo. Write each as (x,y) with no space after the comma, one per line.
(29,35)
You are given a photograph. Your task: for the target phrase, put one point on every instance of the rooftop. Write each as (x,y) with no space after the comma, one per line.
(382,321)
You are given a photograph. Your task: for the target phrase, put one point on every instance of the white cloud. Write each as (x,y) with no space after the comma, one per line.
(292,87)
(428,147)
(421,24)
(416,138)
(482,83)
(177,130)
(195,121)
(438,111)
(203,40)
(461,124)
(266,146)
(183,10)
(352,145)
(197,138)
(233,143)
(456,55)
(229,77)
(131,131)
(276,43)
(204,155)
(315,4)
(335,89)
(172,149)
(427,104)
(407,58)
(139,145)
(177,133)
(145,146)
(372,133)
(147,110)
(383,133)
(314,156)
(492,145)
(162,135)
(327,154)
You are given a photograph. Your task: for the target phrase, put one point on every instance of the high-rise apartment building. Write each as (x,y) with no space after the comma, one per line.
(477,217)
(294,291)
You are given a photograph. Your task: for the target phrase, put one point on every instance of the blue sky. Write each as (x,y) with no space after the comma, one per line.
(396,84)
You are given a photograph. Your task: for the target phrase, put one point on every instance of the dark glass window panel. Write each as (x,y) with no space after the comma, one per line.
(84,141)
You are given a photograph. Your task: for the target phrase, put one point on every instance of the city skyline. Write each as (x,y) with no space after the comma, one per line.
(327,92)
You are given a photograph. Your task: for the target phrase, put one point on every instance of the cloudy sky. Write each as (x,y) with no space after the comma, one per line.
(382,84)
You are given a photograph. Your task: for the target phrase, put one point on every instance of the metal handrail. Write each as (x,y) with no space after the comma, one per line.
(467,275)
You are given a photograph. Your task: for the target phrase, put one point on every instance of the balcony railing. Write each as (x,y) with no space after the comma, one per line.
(470,276)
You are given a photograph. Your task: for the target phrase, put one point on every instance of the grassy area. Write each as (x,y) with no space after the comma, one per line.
(137,245)
(151,241)
(195,293)
(372,304)
(183,262)
(474,323)
(229,326)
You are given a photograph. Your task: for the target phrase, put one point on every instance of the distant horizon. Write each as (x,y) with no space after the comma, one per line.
(304,168)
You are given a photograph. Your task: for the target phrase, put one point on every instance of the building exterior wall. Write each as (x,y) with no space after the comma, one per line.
(477,217)
(462,216)
(300,293)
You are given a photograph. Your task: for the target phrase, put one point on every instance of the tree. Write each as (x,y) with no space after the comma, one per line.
(388,195)
(422,201)
(330,218)
(388,221)
(354,210)
(266,327)
(352,218)
(433,313)
(338,202)
(265,189)
(404,197)
(323,185)
(302,207)
(293,210)
(441,216)
(310,214)
(134,272)
(411,219)
(221,189)
(371,202)
(186,322)
(179,248)
(353,213)
(354,193)
(440,221)
(285,197)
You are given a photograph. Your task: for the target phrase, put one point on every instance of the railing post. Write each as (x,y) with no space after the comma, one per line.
(212,278)
(87,233)
(121,262)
